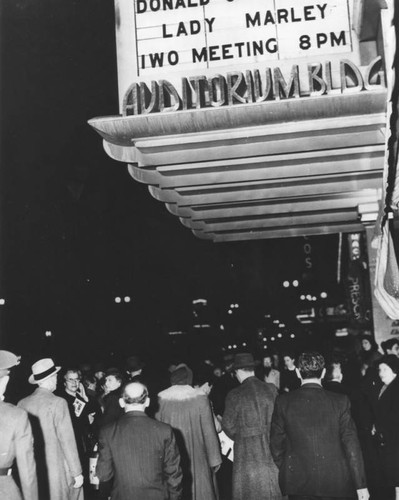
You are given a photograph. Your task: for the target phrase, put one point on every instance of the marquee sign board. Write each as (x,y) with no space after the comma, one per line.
(190,36)
(184,54)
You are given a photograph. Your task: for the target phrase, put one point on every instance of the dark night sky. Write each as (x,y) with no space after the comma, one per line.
(76,230)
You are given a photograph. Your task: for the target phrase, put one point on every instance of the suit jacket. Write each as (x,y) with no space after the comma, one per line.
(16,442)
(315,445)
(141,456)
(55,447)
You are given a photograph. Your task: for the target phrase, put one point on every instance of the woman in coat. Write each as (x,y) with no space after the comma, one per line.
(189,412)
(386,429)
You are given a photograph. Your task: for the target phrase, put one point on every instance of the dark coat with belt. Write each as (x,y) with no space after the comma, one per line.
(315,445)
(246,420)
(16,442)
(386,421)
(141,456)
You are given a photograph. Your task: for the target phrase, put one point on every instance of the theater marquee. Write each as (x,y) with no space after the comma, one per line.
(189,54)
(253,119)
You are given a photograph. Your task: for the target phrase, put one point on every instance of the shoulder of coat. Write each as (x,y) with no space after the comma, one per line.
(178,393)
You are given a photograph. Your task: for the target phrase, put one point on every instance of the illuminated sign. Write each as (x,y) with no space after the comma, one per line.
(203,34)
(249,87)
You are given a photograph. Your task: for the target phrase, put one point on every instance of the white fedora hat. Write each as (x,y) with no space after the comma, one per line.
(42,370)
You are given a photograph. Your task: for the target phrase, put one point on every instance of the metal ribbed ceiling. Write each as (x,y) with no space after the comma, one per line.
(269,170)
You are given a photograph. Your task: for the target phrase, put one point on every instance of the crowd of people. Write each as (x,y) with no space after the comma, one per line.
(302,428)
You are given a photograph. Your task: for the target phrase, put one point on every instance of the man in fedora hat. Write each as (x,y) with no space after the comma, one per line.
(16,441)
(59,468)
(246,420)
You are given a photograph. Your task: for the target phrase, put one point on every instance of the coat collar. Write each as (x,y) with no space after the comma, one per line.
(311,385)
(135,413)
(252,377)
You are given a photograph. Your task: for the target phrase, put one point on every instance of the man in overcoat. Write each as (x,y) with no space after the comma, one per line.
(138,453)
(16,442)
(58,465)
(246,420)
(314,440)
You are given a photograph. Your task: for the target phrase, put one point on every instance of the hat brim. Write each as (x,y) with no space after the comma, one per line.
(246,365)
(32,380)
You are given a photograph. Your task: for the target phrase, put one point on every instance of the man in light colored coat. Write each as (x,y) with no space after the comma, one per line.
(16,442)
(59,468)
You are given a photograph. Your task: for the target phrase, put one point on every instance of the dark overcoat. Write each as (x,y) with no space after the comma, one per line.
(247,420)
(16,442)
(141,457)
(315,445)
(386,418)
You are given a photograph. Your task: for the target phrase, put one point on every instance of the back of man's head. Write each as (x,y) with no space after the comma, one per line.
(311,365)
(389,344)
(135,394)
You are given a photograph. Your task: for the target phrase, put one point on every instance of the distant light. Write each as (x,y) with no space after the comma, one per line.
(267,316)
(230,311)
(272,339)
(323,295)
(229,347)
(200,301)
(2,302)
(232,306)
(127,299)
(265,347)
(176,332)
(309,297)
(286,284)
(314,299)
(302,297)
(295,283)
(234,346)
(279,335)
(292,336)
(244,344)
(221,327)
(48,333)
(276,322)
(118,300)
(281,325)
(264,339)
(237,306)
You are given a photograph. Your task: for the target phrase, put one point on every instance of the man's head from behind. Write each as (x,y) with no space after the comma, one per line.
(391,346)
(311,365)
(134,397)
